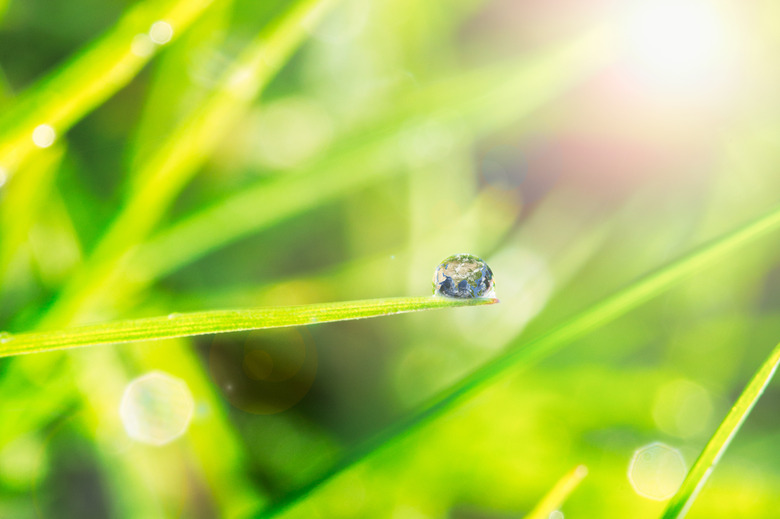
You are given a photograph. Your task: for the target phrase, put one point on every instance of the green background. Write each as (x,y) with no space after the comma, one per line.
(390,134)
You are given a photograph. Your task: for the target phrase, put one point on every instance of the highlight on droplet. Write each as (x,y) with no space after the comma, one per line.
(43,136)
(156,408)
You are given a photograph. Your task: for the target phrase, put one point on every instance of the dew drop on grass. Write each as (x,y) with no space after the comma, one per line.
(5,337)
(174,316)
(463,276)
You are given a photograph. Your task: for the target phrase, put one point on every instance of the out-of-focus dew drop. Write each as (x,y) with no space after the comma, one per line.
(682,408)
(161,32)
(3,176)
(556,514)
(43,136)
(156,408)
(656,471)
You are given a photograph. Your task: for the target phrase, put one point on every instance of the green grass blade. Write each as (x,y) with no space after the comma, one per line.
(180,156)
(220,321)
(728,428)
(525,354)
(88,78)
(469,100)
(559,493)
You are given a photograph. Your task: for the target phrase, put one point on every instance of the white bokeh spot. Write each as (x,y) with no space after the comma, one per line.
(43,136)
(156,408)
(161,32)
(657,471)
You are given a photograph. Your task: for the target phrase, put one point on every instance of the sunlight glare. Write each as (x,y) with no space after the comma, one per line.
(678,43)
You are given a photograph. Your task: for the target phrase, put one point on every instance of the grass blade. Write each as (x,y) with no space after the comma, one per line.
(728,428)
(180,156)
(88,78)
(469,100)
(525,354)
(220,321)
(557,495)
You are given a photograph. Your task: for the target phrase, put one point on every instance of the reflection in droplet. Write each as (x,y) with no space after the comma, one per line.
(142,46)
(463,276)
(270,372)
(161,32)
(657,471)
(156,408)
(43,136)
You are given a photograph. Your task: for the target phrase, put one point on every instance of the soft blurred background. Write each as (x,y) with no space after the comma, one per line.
(341,155)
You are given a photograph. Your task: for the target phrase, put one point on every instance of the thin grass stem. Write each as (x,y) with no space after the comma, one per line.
(529,352)
(220,321)
(681,502)
(559,493)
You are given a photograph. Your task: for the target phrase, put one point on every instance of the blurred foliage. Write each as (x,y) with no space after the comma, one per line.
(293,152)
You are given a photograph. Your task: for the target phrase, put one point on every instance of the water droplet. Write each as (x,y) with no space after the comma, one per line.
(156,408)
(5,337)
(657,471)
(173,316)
(463,276)
(3,177)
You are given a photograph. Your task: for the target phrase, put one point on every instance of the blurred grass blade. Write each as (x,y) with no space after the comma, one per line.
(220,321)
(89,77)
(559,493)
(525,354)
(180,156)
(468,101)
(728,428)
